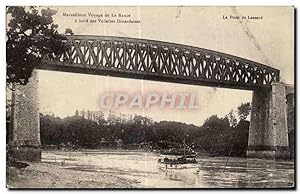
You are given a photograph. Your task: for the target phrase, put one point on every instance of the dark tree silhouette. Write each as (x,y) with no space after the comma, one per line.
(244,110)
(216,137)
(31,35)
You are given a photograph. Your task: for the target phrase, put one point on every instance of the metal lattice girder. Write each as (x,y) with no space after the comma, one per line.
(162,61)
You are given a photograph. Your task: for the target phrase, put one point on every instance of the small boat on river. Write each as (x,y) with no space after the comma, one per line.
(182,162)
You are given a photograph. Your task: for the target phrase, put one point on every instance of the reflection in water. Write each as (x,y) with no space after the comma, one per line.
(213,172)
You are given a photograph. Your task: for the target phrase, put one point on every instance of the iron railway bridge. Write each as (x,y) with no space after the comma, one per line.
(161,61)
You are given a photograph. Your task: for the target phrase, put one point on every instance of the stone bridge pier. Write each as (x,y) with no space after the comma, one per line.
(269,132)
(24,135)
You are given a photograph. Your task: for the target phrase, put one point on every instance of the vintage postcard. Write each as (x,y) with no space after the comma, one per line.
(150,97)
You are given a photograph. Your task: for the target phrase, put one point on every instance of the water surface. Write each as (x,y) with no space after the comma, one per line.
(214,172)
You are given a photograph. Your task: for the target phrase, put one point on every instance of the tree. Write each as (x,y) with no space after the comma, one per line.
(232,119)
(51,130)
(216,137)
(214,123)
(100,118)
(31,35)
(244,110)
(82,113)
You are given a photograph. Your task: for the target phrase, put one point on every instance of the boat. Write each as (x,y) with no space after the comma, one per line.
(177,152)
(179,159)
(182,162)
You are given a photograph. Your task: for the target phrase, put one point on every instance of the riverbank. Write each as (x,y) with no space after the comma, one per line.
(54,175)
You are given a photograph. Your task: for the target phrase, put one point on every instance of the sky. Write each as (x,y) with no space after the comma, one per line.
(268,41)
(74,91)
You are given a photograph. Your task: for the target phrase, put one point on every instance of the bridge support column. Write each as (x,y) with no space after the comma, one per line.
(268,132)
(24,137)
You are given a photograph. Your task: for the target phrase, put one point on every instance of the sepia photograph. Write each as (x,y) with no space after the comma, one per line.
(150,97)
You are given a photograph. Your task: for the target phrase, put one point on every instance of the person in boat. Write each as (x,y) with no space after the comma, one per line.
(166,159)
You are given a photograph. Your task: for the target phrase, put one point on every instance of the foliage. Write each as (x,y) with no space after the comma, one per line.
(231,118)
(31,35)
(244,110)
(87,129)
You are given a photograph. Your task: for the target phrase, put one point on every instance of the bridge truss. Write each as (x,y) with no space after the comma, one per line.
(161,61)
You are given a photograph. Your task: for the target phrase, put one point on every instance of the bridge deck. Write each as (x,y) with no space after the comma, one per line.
(160,61)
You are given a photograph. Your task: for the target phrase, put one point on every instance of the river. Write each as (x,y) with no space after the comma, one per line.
(214,172)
